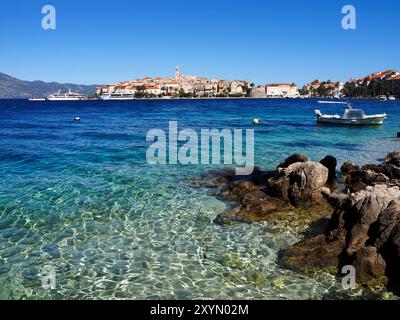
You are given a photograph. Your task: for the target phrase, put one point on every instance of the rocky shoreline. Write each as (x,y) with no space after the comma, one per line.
(354,222)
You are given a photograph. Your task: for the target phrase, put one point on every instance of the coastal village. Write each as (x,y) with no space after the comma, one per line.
(385,83)
(184,86)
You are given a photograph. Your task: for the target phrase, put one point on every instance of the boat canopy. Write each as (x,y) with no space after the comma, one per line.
(354,114)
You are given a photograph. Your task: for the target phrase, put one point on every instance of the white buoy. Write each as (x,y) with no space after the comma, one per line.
(77,119)
(256,121)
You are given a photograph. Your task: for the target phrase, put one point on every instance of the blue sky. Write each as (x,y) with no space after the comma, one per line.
(263,41)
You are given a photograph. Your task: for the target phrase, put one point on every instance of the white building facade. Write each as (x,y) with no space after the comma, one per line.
(282,90)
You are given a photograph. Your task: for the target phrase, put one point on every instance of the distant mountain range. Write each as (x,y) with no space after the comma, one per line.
(12,88)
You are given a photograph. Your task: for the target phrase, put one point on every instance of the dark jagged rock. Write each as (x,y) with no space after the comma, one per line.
(336,199)
(358,178)
(369,263)
(294,158)
(393,158)
(252,203)
(348,167)
(364,231)
(259,195)
(330,162)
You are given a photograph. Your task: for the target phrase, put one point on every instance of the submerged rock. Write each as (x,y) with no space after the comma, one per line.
(253,206)
(313,255)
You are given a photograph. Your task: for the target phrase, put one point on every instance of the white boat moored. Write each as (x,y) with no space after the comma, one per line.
(351,117)
(117,96)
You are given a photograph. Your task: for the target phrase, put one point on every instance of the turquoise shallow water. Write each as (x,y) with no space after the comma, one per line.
(81,198)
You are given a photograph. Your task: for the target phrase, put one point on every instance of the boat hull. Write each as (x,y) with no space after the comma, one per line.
(66,99)
(373,121)
(116,97)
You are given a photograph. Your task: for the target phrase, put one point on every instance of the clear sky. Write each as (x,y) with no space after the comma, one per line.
(263,41)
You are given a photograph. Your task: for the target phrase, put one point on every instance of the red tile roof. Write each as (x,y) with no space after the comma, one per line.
(379,75)
(394,78)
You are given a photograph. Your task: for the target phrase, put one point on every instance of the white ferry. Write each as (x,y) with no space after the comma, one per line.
(69,96)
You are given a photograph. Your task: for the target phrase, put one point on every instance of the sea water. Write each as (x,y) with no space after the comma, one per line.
(82,199)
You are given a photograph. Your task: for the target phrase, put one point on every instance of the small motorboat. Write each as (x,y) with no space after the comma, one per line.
(350,117)
(392,98)
(382,98)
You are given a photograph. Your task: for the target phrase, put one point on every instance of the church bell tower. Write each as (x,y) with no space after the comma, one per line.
(177,73)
